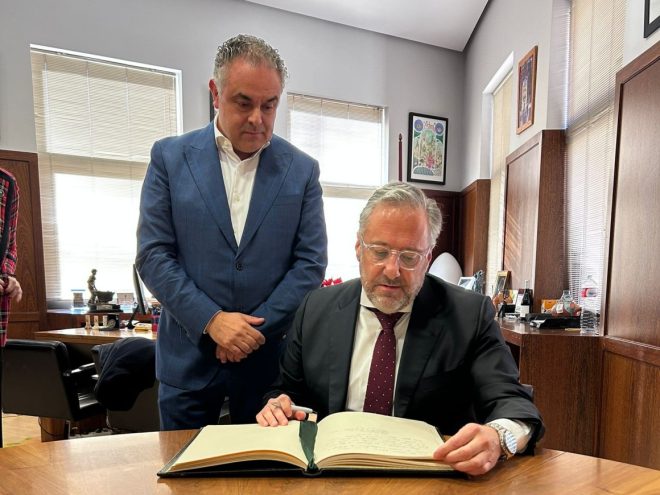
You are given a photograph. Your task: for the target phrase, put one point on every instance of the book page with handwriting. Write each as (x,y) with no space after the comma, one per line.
(356,439)
(221,444)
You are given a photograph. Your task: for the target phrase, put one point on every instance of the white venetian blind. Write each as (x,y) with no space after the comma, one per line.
(501,130)
(348,141)
(596,54)
(95,120)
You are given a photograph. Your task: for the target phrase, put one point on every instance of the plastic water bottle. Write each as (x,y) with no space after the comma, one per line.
(590,300)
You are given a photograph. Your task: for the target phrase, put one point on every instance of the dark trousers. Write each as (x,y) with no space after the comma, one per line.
(182,409)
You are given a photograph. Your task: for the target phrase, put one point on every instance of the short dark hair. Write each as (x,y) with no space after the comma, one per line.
(253,49)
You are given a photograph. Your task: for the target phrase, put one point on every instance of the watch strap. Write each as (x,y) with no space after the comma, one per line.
(502,433)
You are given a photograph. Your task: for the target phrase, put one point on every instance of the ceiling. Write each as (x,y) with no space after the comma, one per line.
(443,23)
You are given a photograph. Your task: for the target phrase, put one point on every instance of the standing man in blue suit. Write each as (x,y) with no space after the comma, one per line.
(231,237)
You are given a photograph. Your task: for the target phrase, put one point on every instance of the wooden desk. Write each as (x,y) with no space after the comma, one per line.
(91,337)
(128,464)
(564,368)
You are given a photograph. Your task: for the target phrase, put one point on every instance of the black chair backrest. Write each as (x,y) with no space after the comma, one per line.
(35,380)
(127,384)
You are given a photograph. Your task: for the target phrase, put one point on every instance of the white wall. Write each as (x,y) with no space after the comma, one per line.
(516,26)
(634,42)
(507,26)
(324,59)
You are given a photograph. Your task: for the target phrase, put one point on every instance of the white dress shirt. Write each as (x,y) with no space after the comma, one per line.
(238,176)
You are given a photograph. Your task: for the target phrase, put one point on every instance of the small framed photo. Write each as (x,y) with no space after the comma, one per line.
(427,148)
(526,90)
(125,298)
(651,16)
(502,281)
(466,282)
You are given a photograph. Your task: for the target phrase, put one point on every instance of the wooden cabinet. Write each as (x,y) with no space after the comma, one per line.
(29,315)
(534,216)
(564,369)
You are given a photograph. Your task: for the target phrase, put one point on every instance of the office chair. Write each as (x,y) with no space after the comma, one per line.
(127,384)
(37,380)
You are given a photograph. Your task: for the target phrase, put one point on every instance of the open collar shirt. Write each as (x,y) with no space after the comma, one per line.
(238,176)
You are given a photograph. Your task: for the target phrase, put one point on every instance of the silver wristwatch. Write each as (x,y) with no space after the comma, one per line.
(508,442)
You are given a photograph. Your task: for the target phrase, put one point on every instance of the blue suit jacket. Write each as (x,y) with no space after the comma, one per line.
(189,259)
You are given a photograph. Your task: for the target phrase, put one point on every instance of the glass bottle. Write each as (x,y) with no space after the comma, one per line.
(565,306)
(526,303)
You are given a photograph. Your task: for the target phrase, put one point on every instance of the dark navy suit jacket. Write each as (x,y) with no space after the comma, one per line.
(189,259)
(455,367)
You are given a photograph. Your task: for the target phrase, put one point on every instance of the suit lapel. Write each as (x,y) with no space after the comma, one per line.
(272,170)
(341,331)
(421,340)
(204,163)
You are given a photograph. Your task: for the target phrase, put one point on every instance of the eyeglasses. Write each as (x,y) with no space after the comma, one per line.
(378,254)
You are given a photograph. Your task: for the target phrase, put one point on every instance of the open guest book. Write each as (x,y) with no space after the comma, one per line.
(346,441)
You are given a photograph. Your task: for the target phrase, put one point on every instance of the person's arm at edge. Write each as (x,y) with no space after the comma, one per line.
(13,287)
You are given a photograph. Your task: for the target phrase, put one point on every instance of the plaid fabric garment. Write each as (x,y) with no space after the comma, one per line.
(8,223)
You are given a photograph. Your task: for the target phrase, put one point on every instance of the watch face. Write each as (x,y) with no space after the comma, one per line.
(510,441)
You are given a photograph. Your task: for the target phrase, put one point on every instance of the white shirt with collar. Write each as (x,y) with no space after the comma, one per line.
(367,329)
(238,176)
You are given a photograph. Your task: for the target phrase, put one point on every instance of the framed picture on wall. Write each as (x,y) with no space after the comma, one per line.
(651,16)
(526,90)
(427,148)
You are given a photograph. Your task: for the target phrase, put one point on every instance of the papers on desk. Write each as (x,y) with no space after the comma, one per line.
(142,327)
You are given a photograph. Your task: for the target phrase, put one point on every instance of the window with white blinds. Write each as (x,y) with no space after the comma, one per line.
(348,141)
(596,54)
(501,124)
(96,120)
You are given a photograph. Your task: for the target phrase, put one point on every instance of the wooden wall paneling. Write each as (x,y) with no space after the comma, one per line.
(534,215)
(448,239)
(634,272)
(474,206)
(630,424)
(630,408)
(29,315)
(564,369)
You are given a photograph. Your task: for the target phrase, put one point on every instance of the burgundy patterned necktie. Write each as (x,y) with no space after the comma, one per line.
(380,388)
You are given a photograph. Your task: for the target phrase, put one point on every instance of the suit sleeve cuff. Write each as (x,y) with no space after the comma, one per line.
(206,328)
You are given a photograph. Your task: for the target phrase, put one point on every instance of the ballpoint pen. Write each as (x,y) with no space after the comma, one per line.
(307,410)
(310,413)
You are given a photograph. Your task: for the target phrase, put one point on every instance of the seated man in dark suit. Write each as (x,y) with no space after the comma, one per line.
(438,354)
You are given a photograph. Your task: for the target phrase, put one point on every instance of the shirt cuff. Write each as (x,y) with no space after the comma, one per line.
(205,332)
(520,430)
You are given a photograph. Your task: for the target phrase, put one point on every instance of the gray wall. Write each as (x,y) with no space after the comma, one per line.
(324,59)
(507,26)
(515,26)
(634,41)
